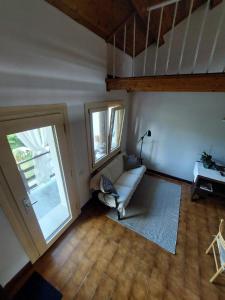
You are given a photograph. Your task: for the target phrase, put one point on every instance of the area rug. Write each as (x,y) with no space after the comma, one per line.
(153,212)
(37,288)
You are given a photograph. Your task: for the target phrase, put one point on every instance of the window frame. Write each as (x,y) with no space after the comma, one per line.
(114,109)
(101,106)
(91,111)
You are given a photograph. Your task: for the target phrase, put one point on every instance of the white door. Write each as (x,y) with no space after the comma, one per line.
(34,160)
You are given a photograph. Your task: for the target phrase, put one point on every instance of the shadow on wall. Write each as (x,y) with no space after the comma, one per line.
(149,152)
(80,150)
(36,82)
(38,45)
(47,60)
(138,127)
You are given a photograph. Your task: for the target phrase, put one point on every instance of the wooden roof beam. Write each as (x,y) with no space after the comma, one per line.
(210,82)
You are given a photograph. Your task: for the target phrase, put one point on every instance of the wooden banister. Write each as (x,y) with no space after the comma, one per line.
(211,82)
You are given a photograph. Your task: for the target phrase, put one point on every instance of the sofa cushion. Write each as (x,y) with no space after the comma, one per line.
(95,181)
(124,194)
(138,171)
(127,179)
(106,185)
(107,199)
(130,162)
(115,168)
(113,171)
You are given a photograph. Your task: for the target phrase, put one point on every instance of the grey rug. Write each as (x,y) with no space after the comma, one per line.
(153,212)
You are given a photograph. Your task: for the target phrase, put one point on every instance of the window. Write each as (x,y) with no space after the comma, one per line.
(99,133)
(116,130)
(104,125)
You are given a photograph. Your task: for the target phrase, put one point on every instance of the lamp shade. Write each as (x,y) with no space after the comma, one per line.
(149,133)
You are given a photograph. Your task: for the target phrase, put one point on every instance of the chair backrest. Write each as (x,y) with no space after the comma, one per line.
(221,243)
(113,171)
(220,234)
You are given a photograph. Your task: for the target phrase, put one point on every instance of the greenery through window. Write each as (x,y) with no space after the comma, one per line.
(22,154)
(106,124)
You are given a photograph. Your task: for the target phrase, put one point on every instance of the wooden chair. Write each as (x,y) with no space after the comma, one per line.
(220,242)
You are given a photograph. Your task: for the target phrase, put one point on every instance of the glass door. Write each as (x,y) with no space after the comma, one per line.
(34,165)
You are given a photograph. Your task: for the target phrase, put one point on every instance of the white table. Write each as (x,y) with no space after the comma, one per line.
(203,175)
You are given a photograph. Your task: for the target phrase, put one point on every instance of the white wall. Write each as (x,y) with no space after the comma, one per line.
(46,57)
(211,24)
(183,125)
(123,62)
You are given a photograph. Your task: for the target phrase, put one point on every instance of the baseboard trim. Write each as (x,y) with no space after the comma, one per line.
(8,288)
(168,176)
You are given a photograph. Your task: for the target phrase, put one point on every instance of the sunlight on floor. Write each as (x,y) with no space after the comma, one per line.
(49,210)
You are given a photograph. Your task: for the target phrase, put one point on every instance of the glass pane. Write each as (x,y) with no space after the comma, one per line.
(38,160)
(99,131)
(116,129)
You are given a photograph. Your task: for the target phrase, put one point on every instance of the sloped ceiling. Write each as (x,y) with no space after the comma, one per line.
(106,17)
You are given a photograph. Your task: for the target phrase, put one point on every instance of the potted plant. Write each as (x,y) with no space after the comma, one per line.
(207,161)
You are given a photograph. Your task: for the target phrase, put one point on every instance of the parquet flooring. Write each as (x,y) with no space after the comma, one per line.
(99,259)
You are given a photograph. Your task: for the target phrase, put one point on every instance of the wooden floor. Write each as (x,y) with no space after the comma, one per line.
(99,259)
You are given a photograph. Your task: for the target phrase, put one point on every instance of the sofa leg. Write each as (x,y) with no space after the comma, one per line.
(117,204)
(118,215)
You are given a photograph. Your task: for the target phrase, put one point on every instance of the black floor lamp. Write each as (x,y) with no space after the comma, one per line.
(147,133)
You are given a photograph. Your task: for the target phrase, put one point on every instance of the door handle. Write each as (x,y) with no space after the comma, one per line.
(26,204)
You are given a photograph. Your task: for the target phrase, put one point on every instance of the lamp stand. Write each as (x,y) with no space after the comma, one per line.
(140,155)
(147,133)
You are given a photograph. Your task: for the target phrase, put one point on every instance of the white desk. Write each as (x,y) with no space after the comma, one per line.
(204,176)
(200,170)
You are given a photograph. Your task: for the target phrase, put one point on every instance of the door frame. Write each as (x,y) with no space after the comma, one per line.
(7,201)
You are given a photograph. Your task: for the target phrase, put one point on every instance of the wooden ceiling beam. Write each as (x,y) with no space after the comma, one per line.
(211,82)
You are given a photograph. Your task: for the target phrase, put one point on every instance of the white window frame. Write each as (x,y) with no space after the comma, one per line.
(91,111)
(101,106)
(114,109)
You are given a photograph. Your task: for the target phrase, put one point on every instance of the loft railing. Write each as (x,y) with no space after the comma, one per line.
(124,45)
(27,172)
(161,7)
